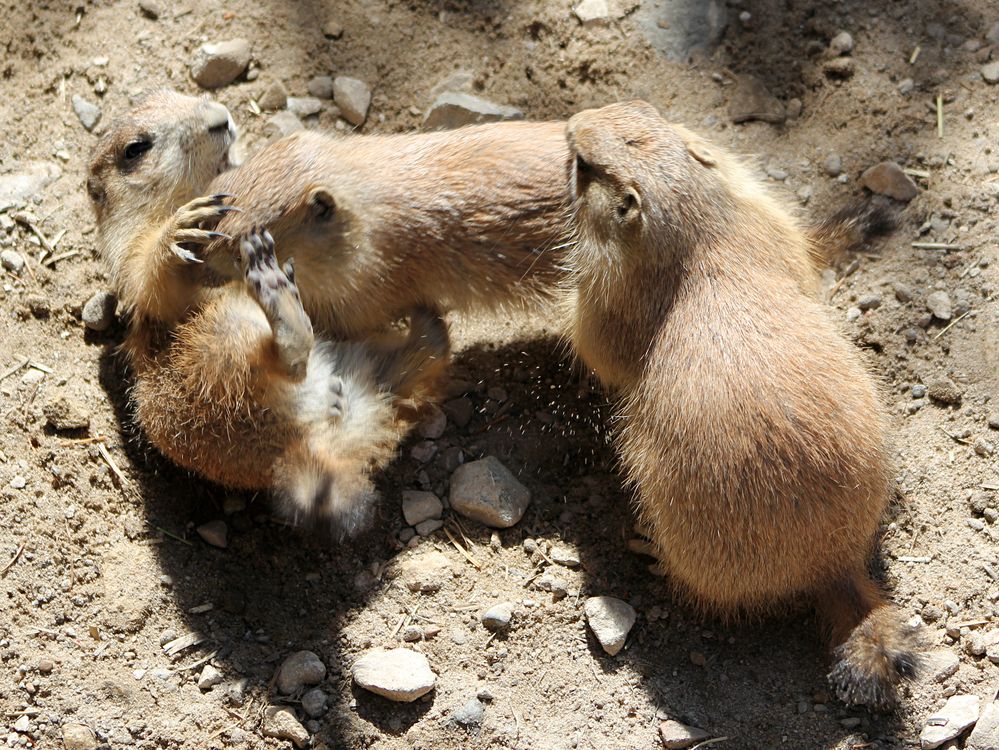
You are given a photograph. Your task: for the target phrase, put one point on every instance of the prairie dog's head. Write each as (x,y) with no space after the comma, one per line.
(161,154)
(642,189)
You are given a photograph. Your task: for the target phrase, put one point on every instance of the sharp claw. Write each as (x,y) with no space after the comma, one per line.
(229,209)
(222,196)
(212,234)
(185,255)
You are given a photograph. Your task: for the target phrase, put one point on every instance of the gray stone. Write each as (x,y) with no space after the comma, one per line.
(274,97)
(280,723)
(752,101)
(959,713)
(459,411)
(990,72)
(423,451)
(426,572)
(906,86)
(419,506)
(433,424)
(298,670)
(18,187)
(428,527)
(793,108)
(610,620)
(675,28)
(453,109)
(214,533)
(833,165)
(304,106)
(314,703)
(549,582)
(592,12)
(353,97)
(398,674)
(98,312)
(64,414)
(985,735)
(841,44)
(209,677)
(219,64)
(22,724)
(565,555)
(940,305)
(903,293)
(498,616)
(470,716)
(887,178)
(677,736)
(78,737)
(284,123)
(486,491)
(321,87)
(869,301)
(12,261)
(89,113)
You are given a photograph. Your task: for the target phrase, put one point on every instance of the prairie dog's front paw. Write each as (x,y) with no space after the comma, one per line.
(187,230)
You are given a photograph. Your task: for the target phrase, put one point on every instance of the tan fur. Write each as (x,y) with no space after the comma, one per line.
(229,379)
(752,432)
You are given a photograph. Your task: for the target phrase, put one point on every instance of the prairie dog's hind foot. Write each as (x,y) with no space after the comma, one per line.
(275,291)
(191,222)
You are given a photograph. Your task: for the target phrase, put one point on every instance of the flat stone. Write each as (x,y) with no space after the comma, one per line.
(99,310)
(498,616)
(304,106)
(78,737)
(64,414)
(487,492)
(11,260)
(214,533)
(985,735)
(88,112)
(610,620)
(314,703)
(592,12)
(944,665)
(425,572)
(284,123)
(428,527)
(219,64)
(209,677)
(752,101)
(353,97)
(676,28)
(298,670)
(944,390)
(677,736)
(280,723)
(990,72)
(274,97)
(419,506)
(320,87)
(887,178)
(18,187)
(564,555)
(959,713)
(398,674)
(869,301)
(940,305)
(22,724)
(454,109)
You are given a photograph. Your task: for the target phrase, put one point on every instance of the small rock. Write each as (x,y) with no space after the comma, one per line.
(566,556)
(793,109)
(214,533)
(418,506)
(209,677)
(280,723)
(990,72)
(89,114)
(902,292)
(994,420)
(304,106)
(38,305)
(45,666)
(426,572)
(283,124)
(752,101)
(235,691)
(332,29)
(428,527)
(469,716)
(150,9)
(398,674)
(833,165)
(498,616)
(984,448)
(677,736)
(610,620)
(423,451)
(453,109)
(869,301)
(905,86)
(592,12)
(65,415)
(777,174)
(959,713)
(434,423)
(985,735)
(320,87)
(887,178)
(841,44)
(298,670)
(853,313)
(353,97)
(314,703)
(548,582)
(459,411)
(22,724)
(12,261)
(839,67)
(919,391)
(18,187)
(219,64)
(944,390)
(412,633)
(945,665)
(940,305)
(98,312)
(275,97)
(18,482)
(78,737)
(486,491)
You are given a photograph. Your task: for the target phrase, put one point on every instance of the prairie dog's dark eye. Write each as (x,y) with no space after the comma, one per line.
(582,166)
(137,148)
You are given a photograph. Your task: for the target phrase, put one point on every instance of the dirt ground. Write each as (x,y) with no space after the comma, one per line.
(97,570)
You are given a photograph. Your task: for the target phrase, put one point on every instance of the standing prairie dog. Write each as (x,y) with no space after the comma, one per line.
(752,432)
(231,381)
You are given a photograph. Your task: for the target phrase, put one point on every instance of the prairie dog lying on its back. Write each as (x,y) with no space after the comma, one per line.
(752,432)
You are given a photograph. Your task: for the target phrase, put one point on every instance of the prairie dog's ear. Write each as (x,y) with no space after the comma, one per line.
(322,205)
(703,153)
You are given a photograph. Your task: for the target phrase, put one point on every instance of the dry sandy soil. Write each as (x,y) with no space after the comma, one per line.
(98,570)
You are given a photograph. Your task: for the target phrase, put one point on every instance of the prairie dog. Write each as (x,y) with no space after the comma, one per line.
(752,432)
(231,381)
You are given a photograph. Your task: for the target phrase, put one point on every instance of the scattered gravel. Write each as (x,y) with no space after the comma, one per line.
(353,97)
(219,64)
(398,674)
(610,620)
(486,491)
(99,311)
(298,670)
(498,616)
